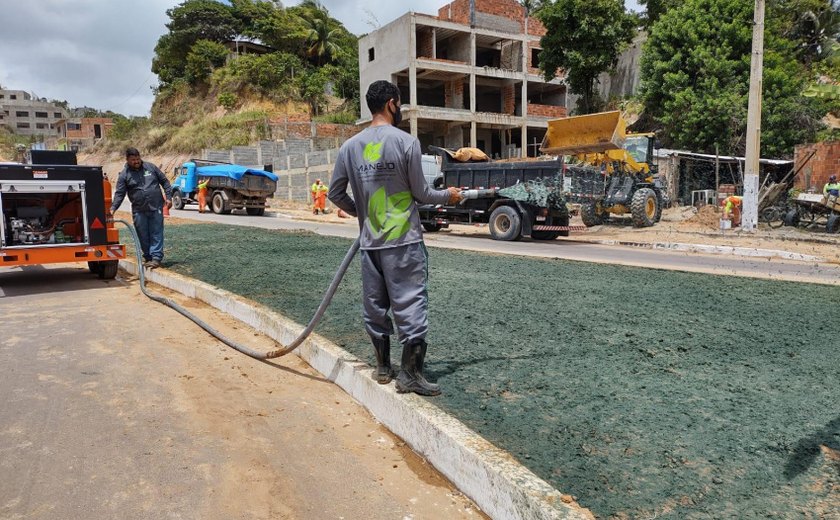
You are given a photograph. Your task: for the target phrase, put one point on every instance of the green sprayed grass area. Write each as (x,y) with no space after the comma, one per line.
(641,392)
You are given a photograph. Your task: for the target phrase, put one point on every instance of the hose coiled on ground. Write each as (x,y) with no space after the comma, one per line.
(325,302)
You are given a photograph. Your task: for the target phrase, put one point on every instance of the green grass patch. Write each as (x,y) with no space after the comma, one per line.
(644,393)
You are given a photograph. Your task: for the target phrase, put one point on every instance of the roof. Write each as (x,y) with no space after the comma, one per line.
(665,152)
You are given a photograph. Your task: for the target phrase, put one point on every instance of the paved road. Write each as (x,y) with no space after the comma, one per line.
(114,406)
(776,269)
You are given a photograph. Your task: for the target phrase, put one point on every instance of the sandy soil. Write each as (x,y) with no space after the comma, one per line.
(642,393)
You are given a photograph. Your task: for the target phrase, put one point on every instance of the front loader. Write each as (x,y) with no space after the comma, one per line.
(612,172)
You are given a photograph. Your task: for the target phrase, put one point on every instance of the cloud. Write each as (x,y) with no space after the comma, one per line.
(98,53)
(94,53)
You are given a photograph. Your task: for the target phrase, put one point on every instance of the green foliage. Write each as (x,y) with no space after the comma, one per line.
(126,127)
(654,9)
(203,58)
(227,100)
(228,131)
(583,38)
(272,75)
(695,80)
(339,118)
(191,21)
(312,88)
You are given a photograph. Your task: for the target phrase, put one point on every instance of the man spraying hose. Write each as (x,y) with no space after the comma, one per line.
(382,166)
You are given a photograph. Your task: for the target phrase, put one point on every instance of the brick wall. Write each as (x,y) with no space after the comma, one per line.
(424,44)
(825,162)
(546,110)
(459,12)
(454,94)
(508,99)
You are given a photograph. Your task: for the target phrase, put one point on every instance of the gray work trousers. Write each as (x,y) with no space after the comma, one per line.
(395,279)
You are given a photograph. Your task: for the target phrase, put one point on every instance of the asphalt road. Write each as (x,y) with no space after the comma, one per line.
(568,249)
(114,406)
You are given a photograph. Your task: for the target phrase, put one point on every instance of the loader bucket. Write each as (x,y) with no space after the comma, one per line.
(592,133)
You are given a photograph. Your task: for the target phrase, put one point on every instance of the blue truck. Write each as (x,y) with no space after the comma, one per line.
(230,186)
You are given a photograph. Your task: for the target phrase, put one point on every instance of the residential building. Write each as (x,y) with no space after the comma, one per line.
(77,133)
(26,115)
(467,77)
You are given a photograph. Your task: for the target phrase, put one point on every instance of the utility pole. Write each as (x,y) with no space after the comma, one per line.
(749,219)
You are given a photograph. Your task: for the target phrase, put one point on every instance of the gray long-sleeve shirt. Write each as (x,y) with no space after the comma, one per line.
(143,188)
(382,166)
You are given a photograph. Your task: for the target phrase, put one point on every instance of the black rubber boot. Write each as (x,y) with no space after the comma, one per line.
(382,348)
(410,378)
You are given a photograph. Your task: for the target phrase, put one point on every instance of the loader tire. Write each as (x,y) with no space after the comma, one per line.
(590,216)
(505,224)
(644,208)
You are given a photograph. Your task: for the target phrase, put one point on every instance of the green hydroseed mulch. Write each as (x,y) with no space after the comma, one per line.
(641,392)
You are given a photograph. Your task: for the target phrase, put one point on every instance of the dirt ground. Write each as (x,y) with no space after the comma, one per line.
(643,393)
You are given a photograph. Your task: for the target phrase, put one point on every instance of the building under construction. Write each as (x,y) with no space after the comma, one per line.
(467,77)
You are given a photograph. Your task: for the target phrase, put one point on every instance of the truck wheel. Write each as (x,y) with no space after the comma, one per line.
(590,216)
(256,212)
(644,207)
(109,269)
(833,224)
(218,204)
(505,224)
(544,235)
(431,227)
(792,217)
(177,200)
(564,222)
(95,267)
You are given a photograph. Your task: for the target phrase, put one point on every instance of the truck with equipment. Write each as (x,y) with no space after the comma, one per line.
(614,173)
(230,186)
(56,213)
(517,199)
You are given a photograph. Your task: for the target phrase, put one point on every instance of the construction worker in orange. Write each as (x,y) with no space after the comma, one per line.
(732,209)
(202,194)
(319,197)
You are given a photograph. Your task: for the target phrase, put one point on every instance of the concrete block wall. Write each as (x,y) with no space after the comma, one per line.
(824,163)
(425,48)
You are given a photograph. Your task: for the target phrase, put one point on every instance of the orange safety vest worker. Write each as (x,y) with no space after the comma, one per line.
(732,209)
(319,196)
(202,195)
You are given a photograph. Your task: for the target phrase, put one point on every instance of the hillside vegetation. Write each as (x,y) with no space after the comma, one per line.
(210,97)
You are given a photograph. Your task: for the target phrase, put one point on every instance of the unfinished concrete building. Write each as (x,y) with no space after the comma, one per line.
(467,77)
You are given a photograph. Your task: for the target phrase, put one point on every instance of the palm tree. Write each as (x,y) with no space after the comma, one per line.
(322,39)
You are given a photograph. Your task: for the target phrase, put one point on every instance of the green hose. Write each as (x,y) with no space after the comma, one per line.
(325,302)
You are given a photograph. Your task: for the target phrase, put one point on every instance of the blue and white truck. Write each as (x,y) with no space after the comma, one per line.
(230,186)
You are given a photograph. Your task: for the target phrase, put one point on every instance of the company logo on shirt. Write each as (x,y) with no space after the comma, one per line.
(147,173)
(373,152)
(388,217)
(372,155)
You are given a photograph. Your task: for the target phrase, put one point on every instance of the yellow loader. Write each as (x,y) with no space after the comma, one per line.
(616,164)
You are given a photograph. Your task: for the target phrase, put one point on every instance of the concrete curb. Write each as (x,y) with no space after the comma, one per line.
(498,484)
(715,250)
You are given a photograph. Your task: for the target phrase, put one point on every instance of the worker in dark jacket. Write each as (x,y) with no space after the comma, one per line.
(142,181)
(382,166)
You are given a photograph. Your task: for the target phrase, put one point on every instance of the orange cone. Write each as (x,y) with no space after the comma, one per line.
(165,210)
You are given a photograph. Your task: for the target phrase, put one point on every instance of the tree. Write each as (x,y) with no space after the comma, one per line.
(654,9)
(695,80)
(191,21)
(583,38)
(321,39)
(204,56)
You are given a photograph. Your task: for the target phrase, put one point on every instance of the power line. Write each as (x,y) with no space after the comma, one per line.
(129,98)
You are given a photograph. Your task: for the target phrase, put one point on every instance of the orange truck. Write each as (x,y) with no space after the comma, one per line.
(54,211)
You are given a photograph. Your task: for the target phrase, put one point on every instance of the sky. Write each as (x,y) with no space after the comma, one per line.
(98,53)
